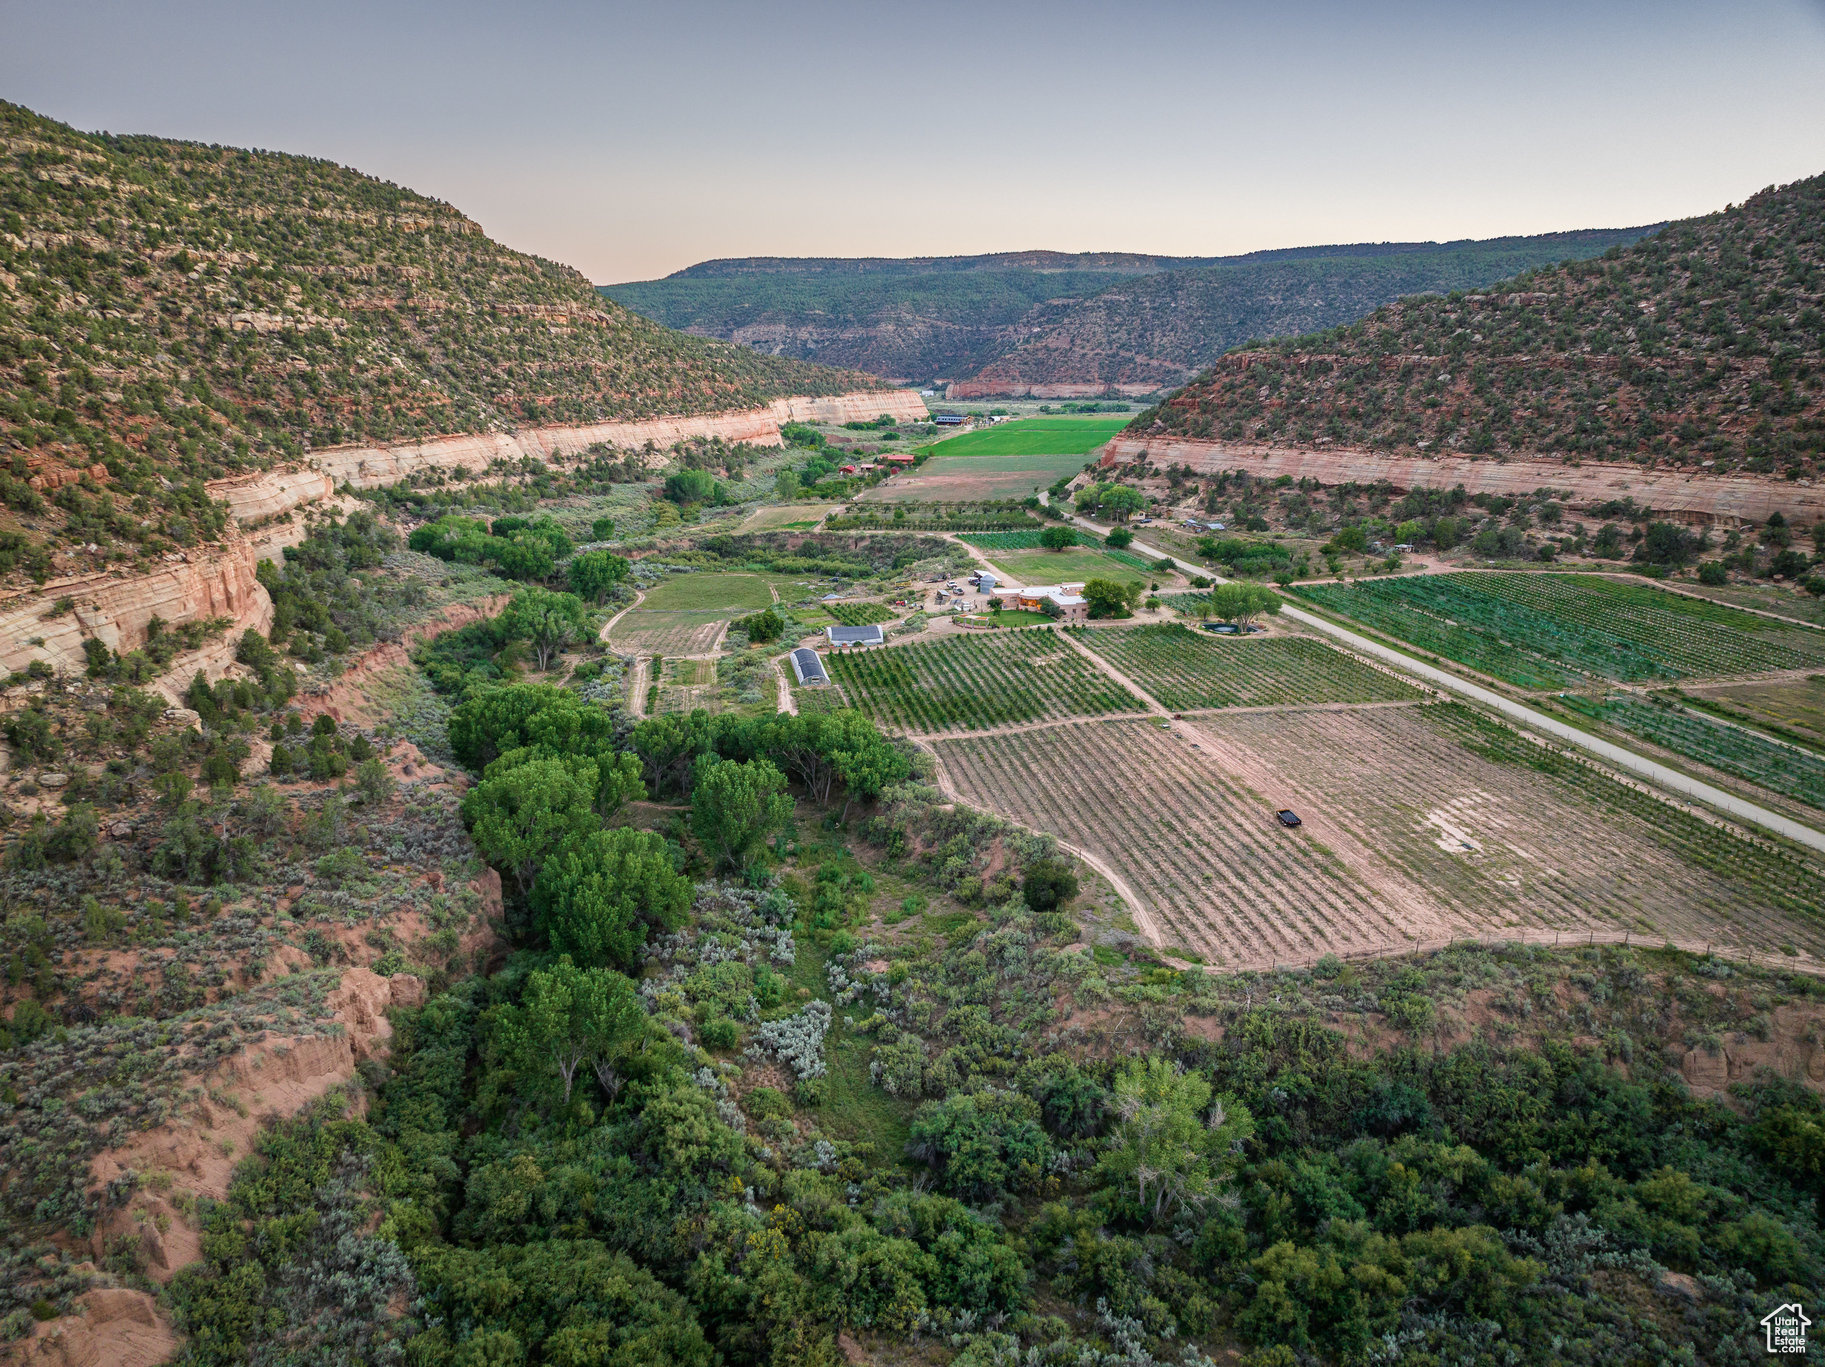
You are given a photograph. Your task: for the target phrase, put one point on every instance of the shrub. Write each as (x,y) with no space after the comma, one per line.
(982,1146)
(1049,884)
(761,627)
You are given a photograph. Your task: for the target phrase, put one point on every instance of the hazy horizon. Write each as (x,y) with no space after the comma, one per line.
(633,143)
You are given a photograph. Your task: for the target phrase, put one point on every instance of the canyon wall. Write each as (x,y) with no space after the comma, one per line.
(219,581)
(1682,493)
(254,498)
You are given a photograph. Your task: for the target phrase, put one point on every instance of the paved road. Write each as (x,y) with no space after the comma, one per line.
(1615,755)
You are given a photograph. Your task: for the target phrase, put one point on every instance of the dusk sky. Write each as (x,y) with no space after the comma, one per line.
(630,141)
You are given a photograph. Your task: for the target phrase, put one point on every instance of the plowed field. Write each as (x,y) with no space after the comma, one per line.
(1420,823)
(668,633)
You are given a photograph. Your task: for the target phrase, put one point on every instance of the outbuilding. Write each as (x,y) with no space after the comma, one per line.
(808,667)
(870,635)
(1068,603)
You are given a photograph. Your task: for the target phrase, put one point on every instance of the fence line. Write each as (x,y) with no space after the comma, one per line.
(1628,939)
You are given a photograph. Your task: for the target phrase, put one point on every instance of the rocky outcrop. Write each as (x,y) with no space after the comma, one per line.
(1681,492)
(217,583)
(112,1327)
(254,499)
(197,1152)
(267,510)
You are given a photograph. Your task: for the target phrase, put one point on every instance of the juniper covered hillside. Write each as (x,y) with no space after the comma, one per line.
(1701,344)
(172,312)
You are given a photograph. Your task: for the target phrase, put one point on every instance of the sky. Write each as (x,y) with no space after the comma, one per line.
(633,140)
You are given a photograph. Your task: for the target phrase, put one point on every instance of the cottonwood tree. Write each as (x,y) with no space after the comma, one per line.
(1172,1143)
(598,896)
(548,621)
(1243,603)
(518,815)
(1108,598)
(594,573)
(1121,502)
(570,1018)
(735,806)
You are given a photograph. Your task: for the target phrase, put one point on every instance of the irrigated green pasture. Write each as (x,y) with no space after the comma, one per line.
(1067,567)
(1036,437)
(1548,630)
(968,683)
(712,593)
(1186,670)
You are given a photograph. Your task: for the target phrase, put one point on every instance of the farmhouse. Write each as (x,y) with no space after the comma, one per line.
(1067,598)
(856,636)
(904,458)
(808,667)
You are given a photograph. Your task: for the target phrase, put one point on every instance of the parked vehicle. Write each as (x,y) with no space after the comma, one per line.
(1288,817)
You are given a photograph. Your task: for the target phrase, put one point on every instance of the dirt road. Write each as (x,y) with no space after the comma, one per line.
(787,703)
(636,687)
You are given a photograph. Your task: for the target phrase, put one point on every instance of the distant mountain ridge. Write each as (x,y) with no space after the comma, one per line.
(1044,261)
(1063,323)
(1701,345)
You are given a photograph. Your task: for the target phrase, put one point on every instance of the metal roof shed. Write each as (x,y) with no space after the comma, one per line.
(808,667)
(856,636)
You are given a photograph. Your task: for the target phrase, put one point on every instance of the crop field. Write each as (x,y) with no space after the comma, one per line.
(828,698)
(1186,670)
(686,685)
(1200,849)
(1791,707)
(1054,567)
(950,478)
(1785,769)
(860,614)
(1420,823)
(967,683)
(1545,630)
(1016,541)
(668,633)
(1035,437)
